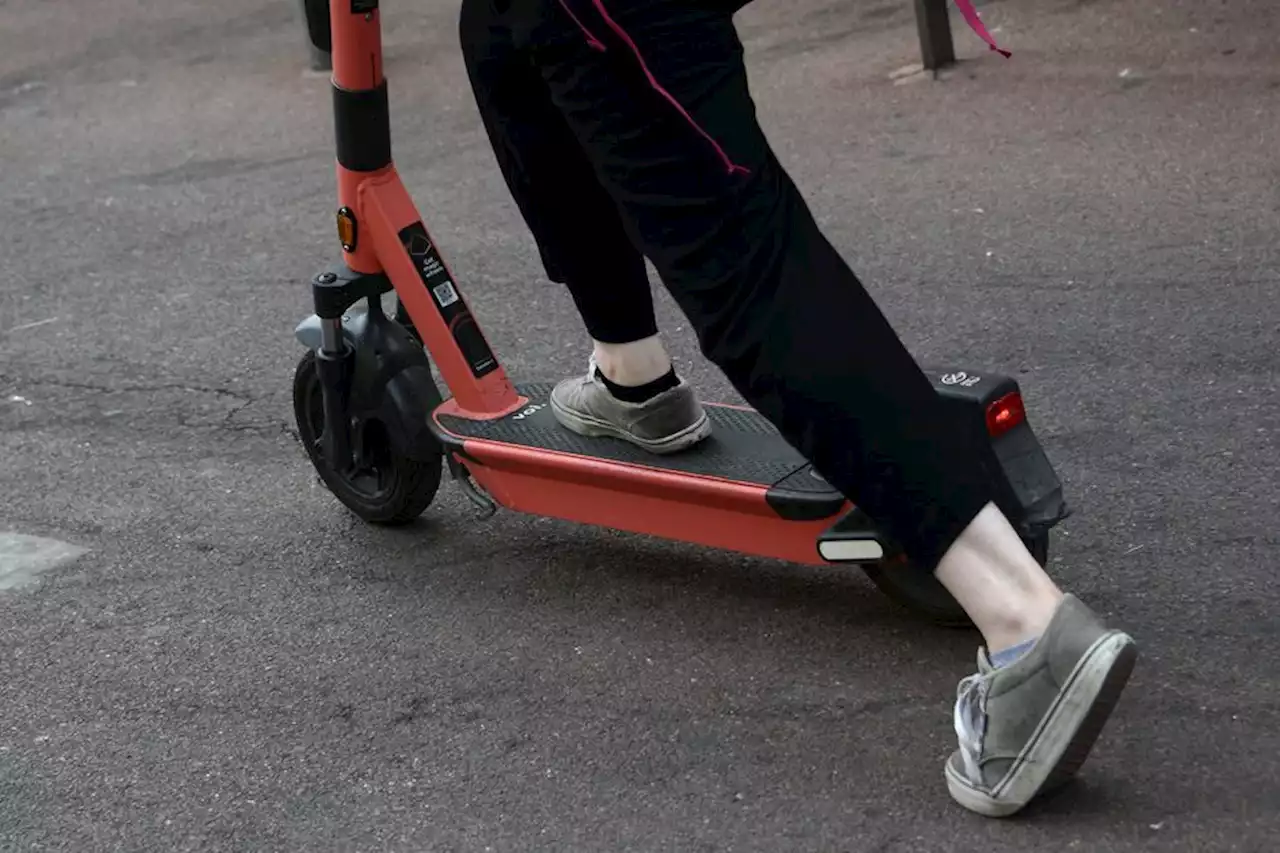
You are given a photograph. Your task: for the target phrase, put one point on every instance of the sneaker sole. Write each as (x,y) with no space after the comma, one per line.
(591,427)
(1063,740)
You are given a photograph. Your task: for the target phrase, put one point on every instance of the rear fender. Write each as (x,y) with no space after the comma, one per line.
(1027,487)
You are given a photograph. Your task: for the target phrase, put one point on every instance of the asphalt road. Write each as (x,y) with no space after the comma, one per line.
(236,664)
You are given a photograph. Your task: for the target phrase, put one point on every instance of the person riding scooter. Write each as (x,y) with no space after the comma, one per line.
(625,130)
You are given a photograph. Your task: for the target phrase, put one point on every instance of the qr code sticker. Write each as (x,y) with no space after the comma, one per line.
(445,294)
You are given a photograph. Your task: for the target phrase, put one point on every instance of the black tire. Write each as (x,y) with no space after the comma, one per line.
(922,594)
(387,488)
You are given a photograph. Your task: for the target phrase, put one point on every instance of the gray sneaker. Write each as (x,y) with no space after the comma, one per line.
(1026,728)
(673,420)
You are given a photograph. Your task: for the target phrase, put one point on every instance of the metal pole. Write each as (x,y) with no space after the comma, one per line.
(936,48)
(319,60)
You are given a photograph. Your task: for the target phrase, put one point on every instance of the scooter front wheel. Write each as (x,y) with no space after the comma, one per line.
(921,593)
(382,486)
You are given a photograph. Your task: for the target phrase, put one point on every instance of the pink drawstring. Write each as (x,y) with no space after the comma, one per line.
(592,42)
(970,16)
(595,43)
(966,11)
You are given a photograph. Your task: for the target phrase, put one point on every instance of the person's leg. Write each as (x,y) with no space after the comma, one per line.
(998,583)
(631,389)
(656,92)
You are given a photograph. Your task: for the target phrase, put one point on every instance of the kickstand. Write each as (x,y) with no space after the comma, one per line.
(463,478)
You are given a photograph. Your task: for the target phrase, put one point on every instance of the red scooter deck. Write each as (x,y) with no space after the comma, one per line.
(744,488)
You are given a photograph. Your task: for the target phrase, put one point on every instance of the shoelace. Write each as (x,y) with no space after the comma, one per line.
(971,722)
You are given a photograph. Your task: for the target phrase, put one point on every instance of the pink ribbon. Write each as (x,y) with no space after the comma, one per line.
(970,16)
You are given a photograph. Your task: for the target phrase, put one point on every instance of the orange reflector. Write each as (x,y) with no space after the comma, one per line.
(1005,414)
(347,229)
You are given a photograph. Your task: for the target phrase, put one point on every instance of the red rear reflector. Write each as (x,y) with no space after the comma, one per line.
(1005,414)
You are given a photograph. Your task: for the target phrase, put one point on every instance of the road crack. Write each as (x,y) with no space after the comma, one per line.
(243,397)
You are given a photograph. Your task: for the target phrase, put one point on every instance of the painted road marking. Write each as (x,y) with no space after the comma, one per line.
(24,558)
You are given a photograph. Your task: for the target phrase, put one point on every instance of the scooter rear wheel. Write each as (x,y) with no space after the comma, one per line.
(921,593)
(383,487)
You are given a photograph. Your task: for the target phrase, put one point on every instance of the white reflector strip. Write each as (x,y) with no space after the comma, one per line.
(851,551)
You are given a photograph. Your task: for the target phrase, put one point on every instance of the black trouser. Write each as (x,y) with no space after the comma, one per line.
(625,129)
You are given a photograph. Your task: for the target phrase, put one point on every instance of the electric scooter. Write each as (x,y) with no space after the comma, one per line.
(380,433)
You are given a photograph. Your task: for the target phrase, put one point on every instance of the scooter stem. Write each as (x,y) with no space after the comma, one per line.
(357,44)
(361,116)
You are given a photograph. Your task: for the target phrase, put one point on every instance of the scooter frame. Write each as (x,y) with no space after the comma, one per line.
(386,246)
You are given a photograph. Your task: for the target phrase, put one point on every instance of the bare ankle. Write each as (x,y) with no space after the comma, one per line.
(1015,624)
(998,582)
(636,363)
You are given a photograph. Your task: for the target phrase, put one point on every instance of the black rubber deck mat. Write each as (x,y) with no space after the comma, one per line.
(743,446)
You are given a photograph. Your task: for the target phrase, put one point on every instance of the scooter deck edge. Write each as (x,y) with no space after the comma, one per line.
(743,488)
(744,448)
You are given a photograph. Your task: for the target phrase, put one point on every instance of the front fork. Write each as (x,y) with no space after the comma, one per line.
(335,363)
(333,293)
